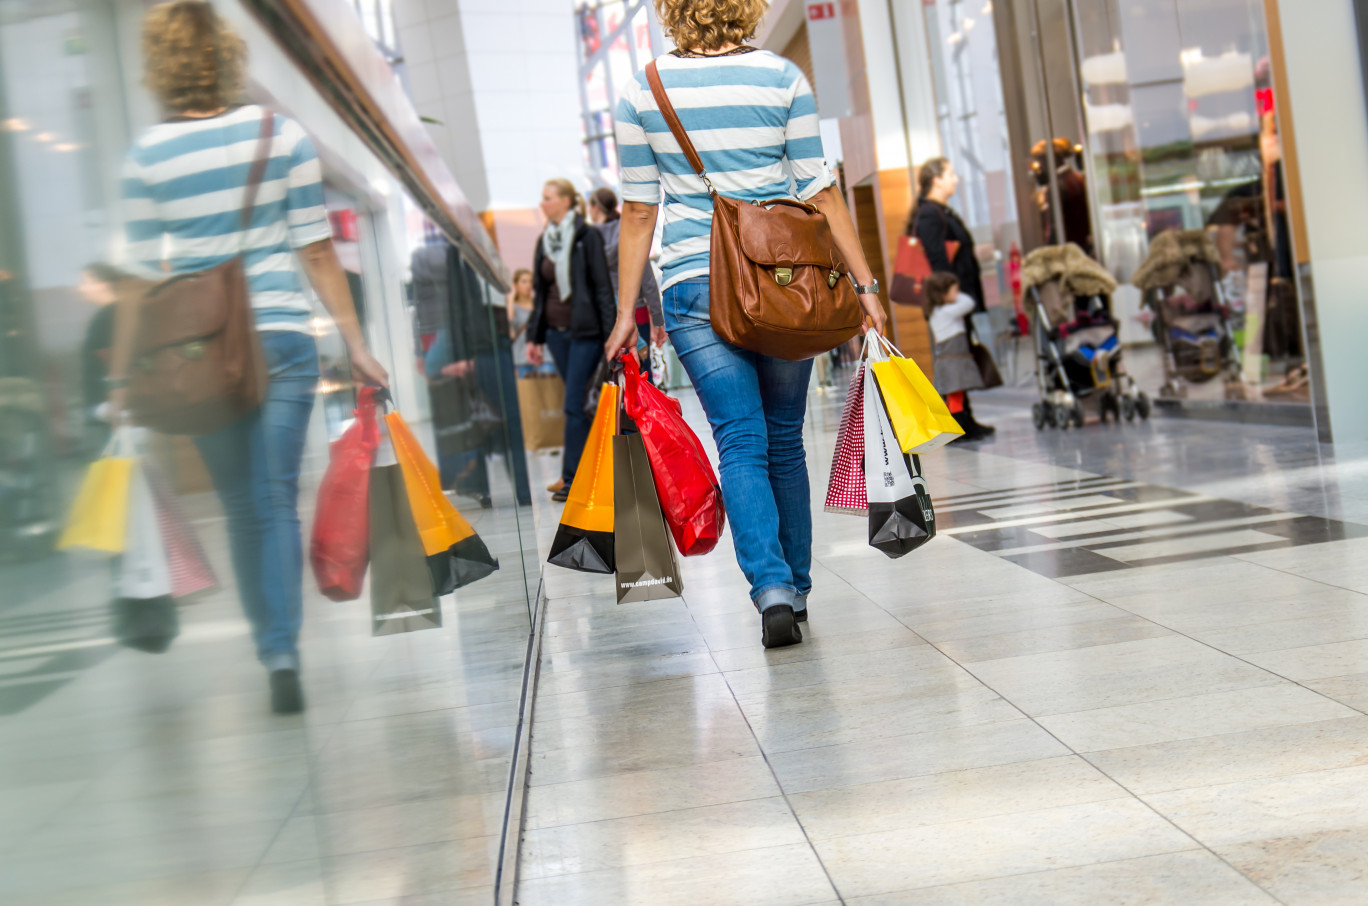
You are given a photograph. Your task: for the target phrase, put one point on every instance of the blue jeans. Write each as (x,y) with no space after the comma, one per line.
(255,466)
(756,405)
(576,362)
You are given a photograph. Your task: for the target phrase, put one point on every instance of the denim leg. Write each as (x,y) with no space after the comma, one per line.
(236,459)
(255,465)
(285,420)
(729,385)
(783,390)
(582,361)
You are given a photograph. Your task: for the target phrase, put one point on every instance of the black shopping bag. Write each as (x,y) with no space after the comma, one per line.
(647,569)
(402,598)
(462,417)
(900,515)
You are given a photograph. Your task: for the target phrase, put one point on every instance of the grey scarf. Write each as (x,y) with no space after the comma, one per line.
(556,243)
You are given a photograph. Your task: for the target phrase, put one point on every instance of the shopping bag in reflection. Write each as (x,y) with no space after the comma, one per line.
(584,538)
(684,479)
(541,403)
(921,420)
(145,616)
(191,572)
(982,343)
(456,555)
(402,596)
(901,518)
(340,546)
(646,566)
(99,517)
(462,417)
(846,489)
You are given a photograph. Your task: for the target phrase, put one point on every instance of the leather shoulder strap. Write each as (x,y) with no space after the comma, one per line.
(254,176)
(676,127)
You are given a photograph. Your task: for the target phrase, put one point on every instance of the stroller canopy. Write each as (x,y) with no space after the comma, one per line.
(1077,274)
(1170,253)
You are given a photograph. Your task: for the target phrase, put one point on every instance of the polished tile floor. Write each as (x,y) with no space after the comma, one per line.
(1133,670)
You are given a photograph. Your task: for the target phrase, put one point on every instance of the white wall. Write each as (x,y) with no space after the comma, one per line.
(502,77)
(1332,145)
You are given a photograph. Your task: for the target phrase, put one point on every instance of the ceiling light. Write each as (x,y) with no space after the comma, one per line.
(44,137)
(968,24)
(66,146)
(15,124)
(988,8)
(955,38)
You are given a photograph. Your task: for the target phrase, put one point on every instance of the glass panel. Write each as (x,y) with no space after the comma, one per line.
(1183,130)
(140,745)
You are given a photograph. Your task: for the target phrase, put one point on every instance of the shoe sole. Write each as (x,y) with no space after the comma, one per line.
(779,627)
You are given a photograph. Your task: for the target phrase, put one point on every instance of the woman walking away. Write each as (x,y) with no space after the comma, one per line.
(603,211)
(956,371)
(935,225)
(755,115)
(573,311)
(184,183)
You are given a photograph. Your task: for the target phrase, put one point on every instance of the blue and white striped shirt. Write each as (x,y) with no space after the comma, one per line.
(183,187)
(752,118)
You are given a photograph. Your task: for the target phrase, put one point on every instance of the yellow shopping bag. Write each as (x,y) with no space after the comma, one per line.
(921,420)
(584,538)
(99,517)
(456,555)
(439,524)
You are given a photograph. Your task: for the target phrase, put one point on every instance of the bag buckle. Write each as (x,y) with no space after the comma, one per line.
(783,275)
(832,278)
(194,350)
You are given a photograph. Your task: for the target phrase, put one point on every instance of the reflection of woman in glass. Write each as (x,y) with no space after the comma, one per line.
(574,311)
(184,183)
(98,287)
(520,308)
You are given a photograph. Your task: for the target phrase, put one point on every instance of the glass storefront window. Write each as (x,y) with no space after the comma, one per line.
(1183,133)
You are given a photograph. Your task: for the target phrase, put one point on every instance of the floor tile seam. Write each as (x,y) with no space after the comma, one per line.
(275,838)
(1242,659)
(1169,821)
(668,811)
(1287,572)
(763,754)
(1059,868)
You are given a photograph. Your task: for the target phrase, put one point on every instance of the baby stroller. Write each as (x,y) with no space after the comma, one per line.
(1181,280)
(1078,352)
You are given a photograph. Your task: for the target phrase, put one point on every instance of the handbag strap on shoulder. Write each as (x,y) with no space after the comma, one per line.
(254,176)
(676,127)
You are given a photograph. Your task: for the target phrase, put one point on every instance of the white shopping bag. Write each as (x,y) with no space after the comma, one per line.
(901,518)
(143,570)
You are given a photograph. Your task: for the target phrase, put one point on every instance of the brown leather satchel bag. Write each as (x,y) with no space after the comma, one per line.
(778,284)
(197,362)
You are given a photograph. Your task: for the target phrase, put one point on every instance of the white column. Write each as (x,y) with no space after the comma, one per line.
(1327,102)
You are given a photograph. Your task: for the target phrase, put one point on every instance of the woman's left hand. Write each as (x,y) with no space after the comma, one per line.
(874,312)
(365,369)
(623,337)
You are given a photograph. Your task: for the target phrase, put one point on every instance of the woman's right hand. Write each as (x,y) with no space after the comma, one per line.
(623,337)
(534,354)
(365,368)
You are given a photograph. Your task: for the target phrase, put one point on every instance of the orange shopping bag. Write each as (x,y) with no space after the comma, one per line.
(584,539)
(455,553)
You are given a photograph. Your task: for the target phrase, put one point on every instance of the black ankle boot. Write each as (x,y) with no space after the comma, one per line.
(778,627)
(287,696)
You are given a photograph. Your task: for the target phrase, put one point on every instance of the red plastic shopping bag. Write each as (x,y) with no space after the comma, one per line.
(684,478)
(846,491)
(340,549)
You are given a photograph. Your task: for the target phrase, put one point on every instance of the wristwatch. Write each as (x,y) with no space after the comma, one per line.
(871,289)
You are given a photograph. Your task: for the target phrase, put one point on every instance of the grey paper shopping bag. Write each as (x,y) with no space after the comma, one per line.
(647,569)
(401,585)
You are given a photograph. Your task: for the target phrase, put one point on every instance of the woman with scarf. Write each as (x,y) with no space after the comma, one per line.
(574,311)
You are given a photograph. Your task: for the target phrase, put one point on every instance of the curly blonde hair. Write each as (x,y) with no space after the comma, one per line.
(192,59)
(710,24)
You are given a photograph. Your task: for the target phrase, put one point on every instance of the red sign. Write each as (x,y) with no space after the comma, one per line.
(816,12)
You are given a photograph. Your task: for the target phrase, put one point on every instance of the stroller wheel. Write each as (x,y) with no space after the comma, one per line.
(1059,415)
(1077,414)
(1142,406)
(1128,408)
(1039,417)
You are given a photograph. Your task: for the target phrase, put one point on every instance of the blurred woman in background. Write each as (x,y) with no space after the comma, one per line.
(574,311)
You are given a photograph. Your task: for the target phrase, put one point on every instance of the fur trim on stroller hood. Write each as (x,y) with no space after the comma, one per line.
(1169,253)
(1078,275)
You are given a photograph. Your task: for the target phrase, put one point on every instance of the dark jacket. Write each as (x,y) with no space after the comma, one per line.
(935,225)
(593,310)
(649,297)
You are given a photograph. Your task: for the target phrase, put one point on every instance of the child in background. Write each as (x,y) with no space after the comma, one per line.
(956,372)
